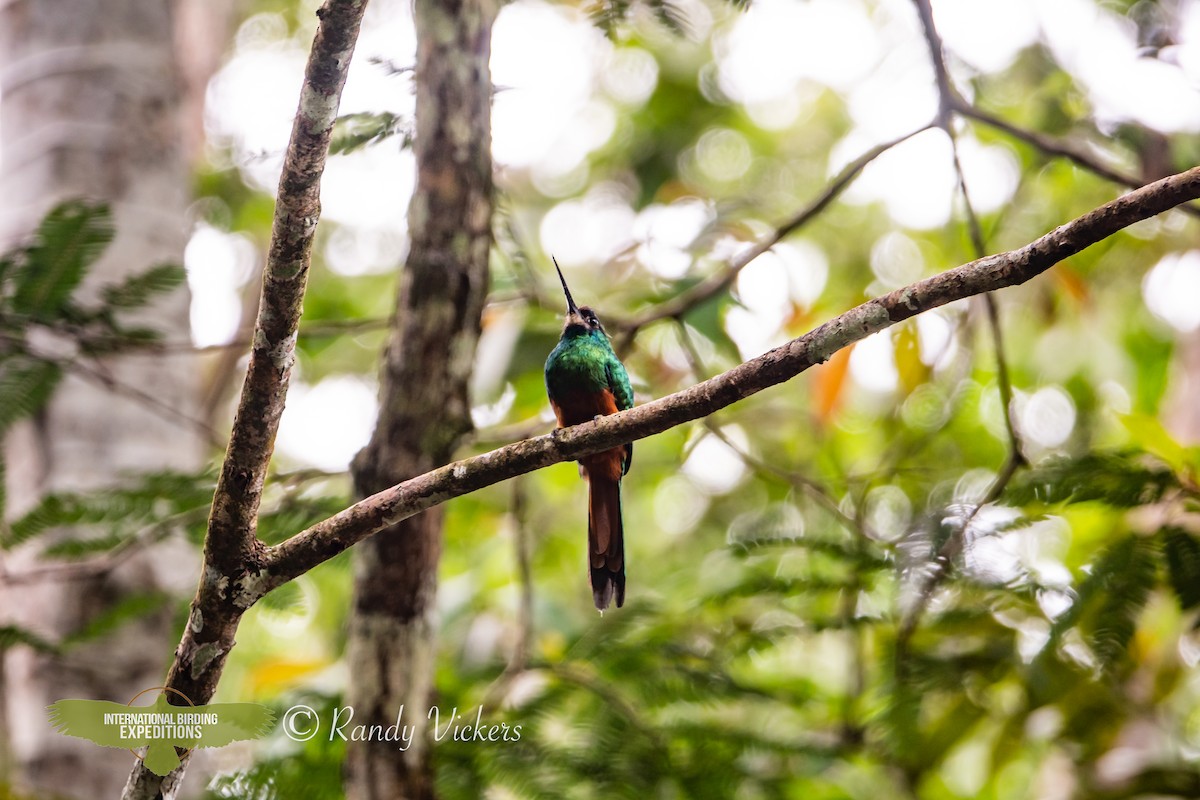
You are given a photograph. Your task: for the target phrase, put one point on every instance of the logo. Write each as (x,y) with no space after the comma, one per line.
(160,727)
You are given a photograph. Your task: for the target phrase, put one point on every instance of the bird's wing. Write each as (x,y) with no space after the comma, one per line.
(235,721)
(85,719)
(618,384)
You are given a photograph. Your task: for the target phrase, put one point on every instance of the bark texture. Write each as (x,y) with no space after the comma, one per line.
(91,105)
(424,408)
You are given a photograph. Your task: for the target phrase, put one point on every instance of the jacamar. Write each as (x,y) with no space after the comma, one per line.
(585,380)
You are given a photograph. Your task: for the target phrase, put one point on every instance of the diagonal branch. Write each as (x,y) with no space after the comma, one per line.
(332,536)
(285,276)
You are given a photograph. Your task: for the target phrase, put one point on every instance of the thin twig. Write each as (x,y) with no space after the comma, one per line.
(165,410)
(313,330)
(715,284)
(81,365)
(979,245)
(949,101)
(1054,147)
(107,561)
(499,434)
(1016,454)
(941,75)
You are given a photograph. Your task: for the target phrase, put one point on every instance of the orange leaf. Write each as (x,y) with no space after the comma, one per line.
(273,674)
(1071,282)
(828,382)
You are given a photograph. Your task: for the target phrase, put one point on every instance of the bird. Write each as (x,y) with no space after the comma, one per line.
(160,727)
(585,380)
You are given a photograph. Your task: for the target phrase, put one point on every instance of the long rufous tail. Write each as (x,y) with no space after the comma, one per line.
(606,541)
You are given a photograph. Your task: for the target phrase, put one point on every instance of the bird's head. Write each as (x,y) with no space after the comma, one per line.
(580,320)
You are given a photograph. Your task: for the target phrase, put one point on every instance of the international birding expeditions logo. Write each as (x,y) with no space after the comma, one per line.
(160,727)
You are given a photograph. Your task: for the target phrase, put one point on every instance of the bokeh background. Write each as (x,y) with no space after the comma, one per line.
(788,631)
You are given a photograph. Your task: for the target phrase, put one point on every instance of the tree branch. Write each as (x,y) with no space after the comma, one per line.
(285,276)
(333,535)
(231,548)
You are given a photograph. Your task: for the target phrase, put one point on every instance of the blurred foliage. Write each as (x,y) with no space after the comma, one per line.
(45,322)
(49,324)
(819,604)
(354,131)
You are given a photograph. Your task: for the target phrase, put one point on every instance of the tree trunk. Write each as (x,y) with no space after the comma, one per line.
(424,409)
(91,108)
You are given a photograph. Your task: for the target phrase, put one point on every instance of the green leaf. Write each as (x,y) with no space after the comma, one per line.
(69,240)
(1120,585)
(51,512)
(287,598)
(123,611)
(1182,553)
(133,338)
(1150,354)
(157,498)
(1105,612)
(7,262)
(136,290)
(11,635)
(1122,480)
(672,16)
(355,131)
(608,14)
(79,548)
(25,386)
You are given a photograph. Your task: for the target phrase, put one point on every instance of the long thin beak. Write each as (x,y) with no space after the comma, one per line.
(571,307)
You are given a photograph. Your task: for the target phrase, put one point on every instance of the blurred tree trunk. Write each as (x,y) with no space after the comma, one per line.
(424,409)
(91,107)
